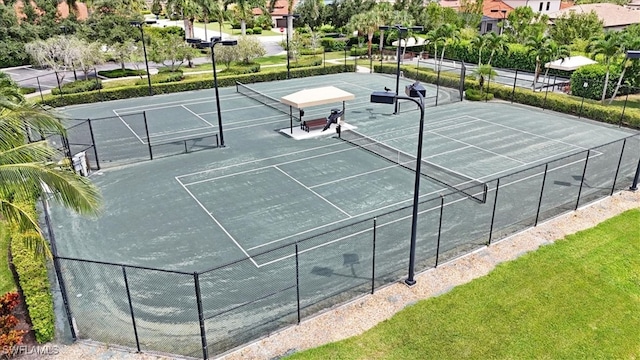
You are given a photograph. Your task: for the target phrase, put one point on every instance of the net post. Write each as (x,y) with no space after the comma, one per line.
(584,172)
(439,230)
(615,178)
(298,282)
(493,212)
(203,331)
(93,142)
(463,74)
(146,130)
(186,150)
(373,257)
(544,180)
(634,185)
(133,318)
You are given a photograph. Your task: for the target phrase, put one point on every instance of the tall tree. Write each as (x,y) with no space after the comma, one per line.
(27,170)
(447,34)
(609,46)
(524,23)
(569,27)
(629,41)
(366,23)
(538,45)
(478,43)
(495,44)
(555,52)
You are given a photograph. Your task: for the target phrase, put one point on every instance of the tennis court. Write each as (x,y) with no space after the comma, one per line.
(277,229)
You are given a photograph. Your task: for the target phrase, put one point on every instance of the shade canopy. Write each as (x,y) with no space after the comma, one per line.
(317,96)
(410,42)
(569,63)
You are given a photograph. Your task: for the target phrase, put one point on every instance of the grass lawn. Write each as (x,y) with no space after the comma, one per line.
(576,299)
(226,29)
(6,278)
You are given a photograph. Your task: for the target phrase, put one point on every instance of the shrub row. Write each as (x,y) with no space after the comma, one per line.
(78,87)
(554,101)
(127,92)
(477,95)
(238,69)
(32,276)
(306,61)
(118,73)
(161,78)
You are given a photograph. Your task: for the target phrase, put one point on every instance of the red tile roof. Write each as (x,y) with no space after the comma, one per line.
(496,9)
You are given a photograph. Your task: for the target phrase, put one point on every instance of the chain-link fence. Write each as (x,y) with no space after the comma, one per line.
(213,311)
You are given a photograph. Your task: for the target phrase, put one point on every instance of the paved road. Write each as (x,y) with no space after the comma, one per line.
(45,79)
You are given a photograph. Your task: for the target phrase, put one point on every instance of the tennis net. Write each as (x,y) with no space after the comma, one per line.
(264,99)
(472,188)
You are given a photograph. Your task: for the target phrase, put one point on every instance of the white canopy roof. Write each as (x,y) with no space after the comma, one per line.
(412,41)
(316,96)
(569,63)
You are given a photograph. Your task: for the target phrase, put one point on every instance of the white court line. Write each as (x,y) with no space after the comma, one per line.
(164,133)
(447,152)
(477,147)
(315,193)
(354,176)
(198,116)
(128,127)
(532,134)
(216,221)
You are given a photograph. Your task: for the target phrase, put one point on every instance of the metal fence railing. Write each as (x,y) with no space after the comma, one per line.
(209,312)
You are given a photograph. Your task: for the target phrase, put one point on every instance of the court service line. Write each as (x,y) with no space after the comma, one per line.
(533,134)
(315,193)
(354,176)
(128,127)
(198,116)
(216,221)
(164,133)
(477,147)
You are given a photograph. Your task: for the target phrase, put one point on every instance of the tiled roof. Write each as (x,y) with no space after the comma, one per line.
(63,9)
(611,15)
(500,9)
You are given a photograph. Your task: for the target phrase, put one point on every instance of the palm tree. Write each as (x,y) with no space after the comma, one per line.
(484,72)
(188,9)
(538,45)
(609,47)
(243,11)
(555,52)
(366,23)
(385,14)
(447,34)
(496,44)
(629,42)
(26,169)
(478,43)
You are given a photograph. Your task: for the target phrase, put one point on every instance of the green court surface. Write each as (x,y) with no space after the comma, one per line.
(239,212)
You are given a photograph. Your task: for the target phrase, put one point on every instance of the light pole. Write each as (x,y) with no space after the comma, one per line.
(289,31)
(211,44)
(138,24)
(585,85)
(401,30)
(504,17)
(413,91)
(75,76)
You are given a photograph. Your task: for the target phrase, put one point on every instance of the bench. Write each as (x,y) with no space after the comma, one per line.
(307,125)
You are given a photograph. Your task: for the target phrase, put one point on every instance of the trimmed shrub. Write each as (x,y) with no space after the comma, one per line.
(162,77)
(331,44)
(27,90)
(359,51)
(257,30)
(118,73)
(33,280)
(78,87)
(477,95)
(249,31)
(240,68)
(127,92)
(594,76)
(306,51)
(306,61)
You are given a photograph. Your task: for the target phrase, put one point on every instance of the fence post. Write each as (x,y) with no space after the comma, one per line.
(584,171)
(373,257)
(133,318)
(371,64)
(513,90)
(56,266)
(626,98)
(146,130)
(345,59)
(615,178)
(493,212)
(437,86)
(439,230)
(39,88)
(203,331)
(298,282)
(544,180)
(634,185)
(93,142)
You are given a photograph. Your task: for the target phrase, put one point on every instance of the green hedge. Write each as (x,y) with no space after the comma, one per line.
(127,92)
(78,87)
(118,73)
(554,101)
(594,76)
(238,69)
(33,280)
(477,95)
(163,77)
(306,61)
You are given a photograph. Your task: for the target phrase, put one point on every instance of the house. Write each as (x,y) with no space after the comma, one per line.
(494,12)
(543,7)
(614,17)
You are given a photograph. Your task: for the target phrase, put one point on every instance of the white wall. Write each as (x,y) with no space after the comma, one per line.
(553,5)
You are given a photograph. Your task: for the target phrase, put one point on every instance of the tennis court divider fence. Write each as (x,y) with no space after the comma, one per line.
(209,312)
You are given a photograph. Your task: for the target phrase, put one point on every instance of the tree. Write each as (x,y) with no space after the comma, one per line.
(569,27)
(56,53)
(555,52)
(471,13)
(630,41)
(170,50)
(366,23)
(242,11)
(249,49)
(27,169)
(310,12)
(156,8)
(478,44)
(483,72)
(609,47)
(188,11)
(446,34)
(495,44)
(88,55)
(538,46)
(524,23)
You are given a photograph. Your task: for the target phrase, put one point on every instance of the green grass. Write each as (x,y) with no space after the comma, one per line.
(6,277)
(226,29)
(576,299)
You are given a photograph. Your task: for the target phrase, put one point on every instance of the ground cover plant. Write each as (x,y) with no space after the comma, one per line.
(575,299)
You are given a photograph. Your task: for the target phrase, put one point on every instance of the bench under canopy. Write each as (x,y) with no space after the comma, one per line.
(315,97)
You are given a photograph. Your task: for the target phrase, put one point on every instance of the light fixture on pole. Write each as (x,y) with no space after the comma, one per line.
(138,24)
(504,17)
(401,31)
(413,91)
(289,32)
(211,44)
(585,85)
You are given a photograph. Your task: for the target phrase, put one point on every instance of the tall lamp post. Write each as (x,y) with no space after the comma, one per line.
(413,91)
(211,44)
(401,31)
(504,17)
(138,24)
(289,31)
